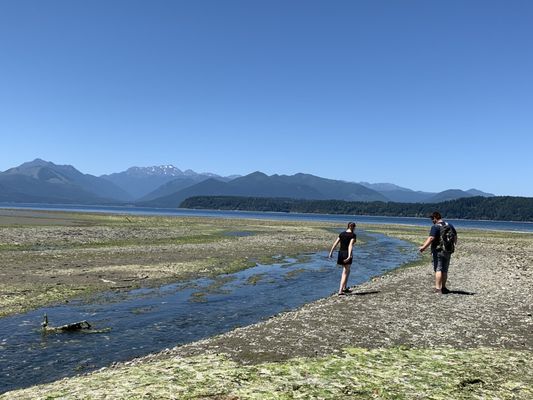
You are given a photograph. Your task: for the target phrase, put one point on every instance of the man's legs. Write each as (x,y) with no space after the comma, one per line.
(441,265)
(438,273)
(438,280)
(445,264)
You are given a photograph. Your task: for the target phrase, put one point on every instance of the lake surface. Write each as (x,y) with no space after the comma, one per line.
(342,219)
(149,320)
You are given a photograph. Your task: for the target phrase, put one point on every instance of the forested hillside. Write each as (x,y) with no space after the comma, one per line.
(503,208)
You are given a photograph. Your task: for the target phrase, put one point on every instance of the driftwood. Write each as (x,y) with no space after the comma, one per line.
(75,326)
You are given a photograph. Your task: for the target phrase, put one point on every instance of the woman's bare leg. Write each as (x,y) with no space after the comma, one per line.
(344,278)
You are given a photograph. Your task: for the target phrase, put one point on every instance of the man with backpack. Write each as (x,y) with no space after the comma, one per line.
(442,238)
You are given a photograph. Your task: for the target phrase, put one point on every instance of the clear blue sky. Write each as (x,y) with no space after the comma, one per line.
(371,91)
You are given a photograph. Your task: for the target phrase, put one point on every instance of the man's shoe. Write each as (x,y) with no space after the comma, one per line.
(347,290)
(437,291)
(445,290)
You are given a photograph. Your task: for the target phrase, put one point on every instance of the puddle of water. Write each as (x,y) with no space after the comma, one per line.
(149,320)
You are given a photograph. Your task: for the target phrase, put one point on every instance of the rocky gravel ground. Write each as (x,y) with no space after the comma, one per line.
(490,305)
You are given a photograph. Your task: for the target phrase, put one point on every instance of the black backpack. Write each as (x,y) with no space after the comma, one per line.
(447,238)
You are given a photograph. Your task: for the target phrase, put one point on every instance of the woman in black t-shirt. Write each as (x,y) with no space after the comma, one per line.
(347,240)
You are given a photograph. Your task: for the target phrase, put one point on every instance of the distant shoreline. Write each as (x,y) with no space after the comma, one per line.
(513,226)
(498,208)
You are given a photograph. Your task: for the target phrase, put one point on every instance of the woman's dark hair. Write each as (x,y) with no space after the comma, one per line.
(351,225)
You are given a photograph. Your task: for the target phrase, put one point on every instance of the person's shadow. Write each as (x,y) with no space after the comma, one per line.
(462,292)
(364,293)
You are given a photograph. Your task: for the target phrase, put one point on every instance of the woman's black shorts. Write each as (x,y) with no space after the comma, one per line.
(343,255)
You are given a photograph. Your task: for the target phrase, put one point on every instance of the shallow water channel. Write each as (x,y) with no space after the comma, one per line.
(149,320)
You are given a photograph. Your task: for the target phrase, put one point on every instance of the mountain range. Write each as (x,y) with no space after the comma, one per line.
(40,181)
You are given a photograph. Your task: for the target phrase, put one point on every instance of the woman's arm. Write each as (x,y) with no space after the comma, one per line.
(350,248)
(333,247)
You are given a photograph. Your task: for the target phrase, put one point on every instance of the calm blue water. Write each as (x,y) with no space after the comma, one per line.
(149,320)
(459,223)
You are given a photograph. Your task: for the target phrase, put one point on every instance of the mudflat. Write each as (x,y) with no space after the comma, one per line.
(393,337)
(48,257)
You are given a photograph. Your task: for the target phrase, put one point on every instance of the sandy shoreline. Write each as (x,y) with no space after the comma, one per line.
(490,307)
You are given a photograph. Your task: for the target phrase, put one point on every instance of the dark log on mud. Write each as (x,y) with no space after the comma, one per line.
(75,326)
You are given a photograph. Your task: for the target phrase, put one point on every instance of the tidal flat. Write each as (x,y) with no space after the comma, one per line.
(392,338)
(51,257)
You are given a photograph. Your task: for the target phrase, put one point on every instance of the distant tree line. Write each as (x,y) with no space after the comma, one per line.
(502,208)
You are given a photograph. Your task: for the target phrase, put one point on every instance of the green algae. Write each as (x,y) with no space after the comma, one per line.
(393,373)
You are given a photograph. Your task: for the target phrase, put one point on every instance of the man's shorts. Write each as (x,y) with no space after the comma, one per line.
(441,261)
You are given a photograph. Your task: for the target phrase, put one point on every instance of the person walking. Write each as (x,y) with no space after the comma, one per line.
(442,239)
(347,240)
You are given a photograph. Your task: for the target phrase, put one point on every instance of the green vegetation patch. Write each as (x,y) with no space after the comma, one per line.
(295,273)
(394,373)
(191,239)
(30,296)
(255,279)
